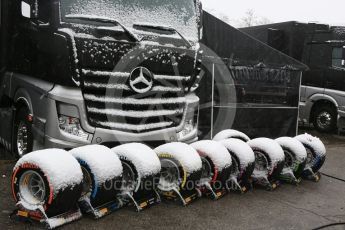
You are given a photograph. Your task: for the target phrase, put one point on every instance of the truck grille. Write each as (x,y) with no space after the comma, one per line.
(112,104)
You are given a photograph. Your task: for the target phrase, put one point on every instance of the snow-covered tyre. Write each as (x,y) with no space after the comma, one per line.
(181,167)
(216,163)
(47,180)
(316,151)
(269,158)
(231,133)
(295,155)
(141,168)
(102,173)
(243,159)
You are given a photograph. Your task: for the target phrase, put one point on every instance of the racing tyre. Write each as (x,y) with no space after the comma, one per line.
(102,174)
(231,133)
(316,152)
(216,163)
(181,167)
(269,159)
(295,156)
(48,181)
(141,169)
(243,160)
(23,137)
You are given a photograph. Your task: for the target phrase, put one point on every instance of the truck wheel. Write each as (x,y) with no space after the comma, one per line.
(102,173)
(325,119)
(141,168)
(231,133)
(295,155)
(269,158)
(316,151)
(48,180)
(23,138)
(181,167)
(243,159)
(216,163)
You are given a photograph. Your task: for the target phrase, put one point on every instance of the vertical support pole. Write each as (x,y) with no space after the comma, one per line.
(212,102)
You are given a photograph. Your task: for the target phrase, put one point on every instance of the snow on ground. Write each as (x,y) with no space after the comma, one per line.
(103,163)
(313,142)
(215,151)
(143,157)
(60,167)
(184,153)
(241,149)
(271,147)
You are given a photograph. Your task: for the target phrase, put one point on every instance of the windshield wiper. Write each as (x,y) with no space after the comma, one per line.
(102,19)
(163,28)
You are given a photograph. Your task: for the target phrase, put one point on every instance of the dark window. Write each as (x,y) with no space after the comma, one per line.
(43,10)
(337,57)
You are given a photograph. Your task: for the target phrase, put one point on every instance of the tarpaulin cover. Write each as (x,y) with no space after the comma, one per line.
(247,85)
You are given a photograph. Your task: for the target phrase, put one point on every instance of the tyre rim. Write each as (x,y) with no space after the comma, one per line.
(261,164)
(128,178)
(234,171)
(324,120)
(170,175)
(206,173)
(22,139)
(32,188)
(87,182)
(289,160)
(310,158)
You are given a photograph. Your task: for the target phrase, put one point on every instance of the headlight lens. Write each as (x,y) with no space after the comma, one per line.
(187,129)
(71,125)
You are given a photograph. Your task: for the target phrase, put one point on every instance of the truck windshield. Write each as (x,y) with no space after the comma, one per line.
(178,14)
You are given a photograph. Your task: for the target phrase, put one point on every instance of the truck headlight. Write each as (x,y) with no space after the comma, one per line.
(71,125)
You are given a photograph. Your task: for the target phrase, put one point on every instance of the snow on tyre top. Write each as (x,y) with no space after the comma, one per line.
(60,167)
(103,163)
(215,151)
(230,133)
(143,157)
(270,146)
(241,149)
(294,145)
(184,153)
(313,142)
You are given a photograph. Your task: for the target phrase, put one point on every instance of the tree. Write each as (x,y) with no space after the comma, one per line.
(251,19)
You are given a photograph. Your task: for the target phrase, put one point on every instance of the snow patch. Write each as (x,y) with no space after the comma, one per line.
(59,166)
(271,147)
(313,142)
(295,146)
(143,157)
(241,149)
(215,151)
(230,133)
(184,153)
(103,163)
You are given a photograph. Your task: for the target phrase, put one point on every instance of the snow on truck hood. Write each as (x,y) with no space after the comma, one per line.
(59,167)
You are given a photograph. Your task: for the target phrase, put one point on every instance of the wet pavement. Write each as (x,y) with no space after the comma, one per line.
(306,206)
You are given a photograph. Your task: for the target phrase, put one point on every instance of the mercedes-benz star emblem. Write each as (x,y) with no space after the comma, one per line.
(141,80)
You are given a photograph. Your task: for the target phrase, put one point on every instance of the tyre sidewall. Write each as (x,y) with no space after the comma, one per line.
(22,116)
(331,111)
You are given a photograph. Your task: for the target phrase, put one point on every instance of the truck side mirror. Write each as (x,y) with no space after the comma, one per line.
(28,9)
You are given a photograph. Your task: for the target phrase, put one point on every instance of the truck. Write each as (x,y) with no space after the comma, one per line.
(321,48)
(250,86)
(79,72)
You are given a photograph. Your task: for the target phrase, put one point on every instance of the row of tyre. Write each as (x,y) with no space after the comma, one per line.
(55,187)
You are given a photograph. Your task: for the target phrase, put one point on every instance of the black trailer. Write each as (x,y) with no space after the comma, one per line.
(248,85)
(321,48)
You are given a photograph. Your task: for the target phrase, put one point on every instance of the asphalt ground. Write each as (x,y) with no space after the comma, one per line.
(306,206)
